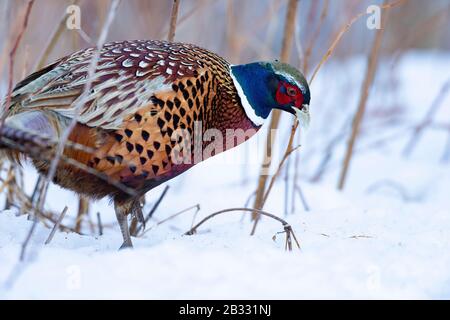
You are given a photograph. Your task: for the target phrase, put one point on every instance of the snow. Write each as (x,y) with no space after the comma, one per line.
(385,236)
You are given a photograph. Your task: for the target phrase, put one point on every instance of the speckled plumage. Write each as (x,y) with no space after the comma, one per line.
(142,92)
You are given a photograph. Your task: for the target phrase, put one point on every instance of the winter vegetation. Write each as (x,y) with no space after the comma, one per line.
(356,206)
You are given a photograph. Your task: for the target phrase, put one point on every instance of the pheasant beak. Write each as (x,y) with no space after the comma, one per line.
(303,116)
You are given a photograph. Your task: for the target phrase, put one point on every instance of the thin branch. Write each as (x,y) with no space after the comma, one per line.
(315,36)
(302,197)
(100,225)
(28,238)
(83,209)
(418,130)
(152,211)
(198,5)
(405,195)
(287,228)
(196,207)
(60,149)
(82,99)
(56,226)
(12,55)
(367,84)
(446,154)
(54,39)
(341,33)
(328,152)
(173,20)
(287,153)
(274,120)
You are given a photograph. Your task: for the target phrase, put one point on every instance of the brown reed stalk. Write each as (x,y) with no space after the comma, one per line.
(367,84)
(289,150)
(341,33)
(286,226)
(54,39)
(418,130)
(329,53)
(173,20)
(60,148)
(83,210)
(12,55)
(82,99)
(315,36)
(56,226)
(305,64)
(275,119)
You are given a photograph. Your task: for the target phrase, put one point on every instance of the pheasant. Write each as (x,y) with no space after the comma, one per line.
(137,125)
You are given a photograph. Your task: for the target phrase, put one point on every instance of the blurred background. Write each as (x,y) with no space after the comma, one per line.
(390,188)
(404,102)
(238,30)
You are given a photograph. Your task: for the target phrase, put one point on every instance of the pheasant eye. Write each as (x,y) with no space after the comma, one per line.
(291,92)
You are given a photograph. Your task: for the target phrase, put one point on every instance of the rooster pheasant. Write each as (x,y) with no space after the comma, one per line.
(145,100)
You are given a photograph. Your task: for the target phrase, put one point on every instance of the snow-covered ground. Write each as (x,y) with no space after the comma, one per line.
(386,236)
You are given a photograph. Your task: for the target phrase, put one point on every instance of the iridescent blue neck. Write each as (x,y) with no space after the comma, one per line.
(254,83)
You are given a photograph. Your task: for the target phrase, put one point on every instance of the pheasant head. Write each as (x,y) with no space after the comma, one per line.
(263,86)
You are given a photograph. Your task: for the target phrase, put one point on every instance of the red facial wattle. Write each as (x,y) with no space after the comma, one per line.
(289,94)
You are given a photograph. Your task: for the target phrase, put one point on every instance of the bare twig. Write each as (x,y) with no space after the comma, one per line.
(302,197)
(82,100)
(196,207)
(186,16)
(54,39)
(446,154)
(343,30)
(100,225)
(12,55)
(83,209)
(405,195)
(329,150)
(287,153)
(315,36)
(418,130)
(289,149)
(369,77)
(274,120)
(173,20)
(195,215)
(28,238)
(56,226)
(287,228)
(136,231)
(65,136)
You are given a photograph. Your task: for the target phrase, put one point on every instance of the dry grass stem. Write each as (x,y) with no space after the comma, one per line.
(314,37)
(12,55)
(287,228)
(54,39)
(274,120)
(99,224)
(427,120)
(298,189)
(56,226)
(82,100)
(62,142)
(341,33)
(83,210)
(135,231)
(368,80)
(196,207)
(173,20)
(287,153)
